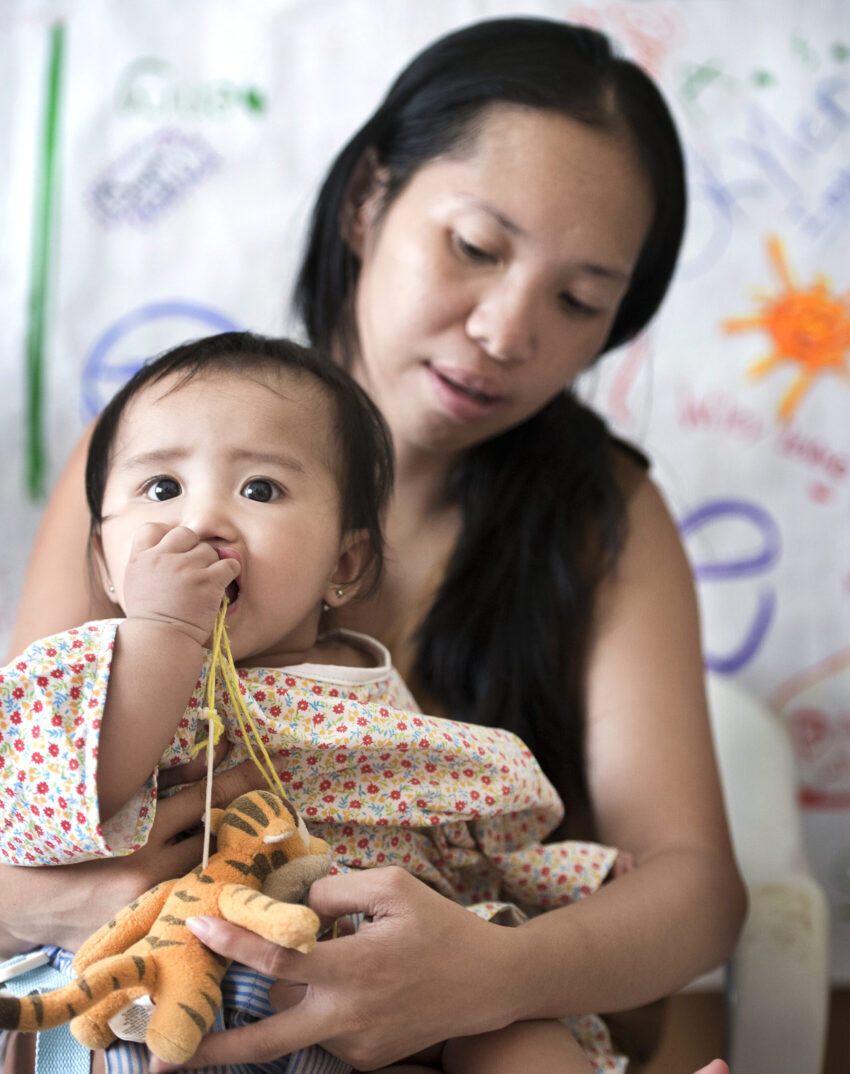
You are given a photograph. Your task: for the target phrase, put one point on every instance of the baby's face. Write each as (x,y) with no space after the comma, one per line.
(248,462)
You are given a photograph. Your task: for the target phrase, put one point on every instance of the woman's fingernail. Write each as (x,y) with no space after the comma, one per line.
(201,928)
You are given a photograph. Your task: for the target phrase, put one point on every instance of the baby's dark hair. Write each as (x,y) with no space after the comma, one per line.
(364,449)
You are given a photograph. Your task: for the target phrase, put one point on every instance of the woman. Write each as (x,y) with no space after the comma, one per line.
(513,209)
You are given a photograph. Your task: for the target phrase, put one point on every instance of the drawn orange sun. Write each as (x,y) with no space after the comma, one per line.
(808,326)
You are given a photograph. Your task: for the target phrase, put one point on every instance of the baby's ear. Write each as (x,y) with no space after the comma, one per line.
(100,567)
(352,569)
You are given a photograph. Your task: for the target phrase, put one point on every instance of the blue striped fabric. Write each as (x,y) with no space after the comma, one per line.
(245,1001)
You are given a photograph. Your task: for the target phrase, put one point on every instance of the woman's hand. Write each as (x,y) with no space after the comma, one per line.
(399,984)
(65,904)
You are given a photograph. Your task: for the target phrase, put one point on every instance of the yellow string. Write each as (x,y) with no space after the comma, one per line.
(222,662)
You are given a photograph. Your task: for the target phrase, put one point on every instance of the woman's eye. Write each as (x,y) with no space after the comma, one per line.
(474,253)
(261,490)
(574,305)
(162,488)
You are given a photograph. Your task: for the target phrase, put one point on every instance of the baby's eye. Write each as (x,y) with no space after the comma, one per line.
(162,488)
(261,490)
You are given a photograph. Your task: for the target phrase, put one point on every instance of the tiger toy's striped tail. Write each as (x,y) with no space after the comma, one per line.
(147,948)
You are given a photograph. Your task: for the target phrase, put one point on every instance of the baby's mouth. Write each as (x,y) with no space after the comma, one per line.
(232,593)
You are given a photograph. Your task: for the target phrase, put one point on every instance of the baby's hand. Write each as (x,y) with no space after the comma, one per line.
(174,577)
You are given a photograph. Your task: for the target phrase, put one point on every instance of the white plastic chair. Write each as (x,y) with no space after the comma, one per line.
(778,980)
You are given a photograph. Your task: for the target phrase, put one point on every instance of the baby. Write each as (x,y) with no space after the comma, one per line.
(257,469)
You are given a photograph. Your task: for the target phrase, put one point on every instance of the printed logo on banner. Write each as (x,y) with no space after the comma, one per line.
(808,328)
(137,336)
(152,87)
(152,177)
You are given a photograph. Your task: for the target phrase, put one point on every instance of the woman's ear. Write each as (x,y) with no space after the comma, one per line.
(351,570)
(364,199)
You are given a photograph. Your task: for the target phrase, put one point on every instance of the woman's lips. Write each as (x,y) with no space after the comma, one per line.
(464,395)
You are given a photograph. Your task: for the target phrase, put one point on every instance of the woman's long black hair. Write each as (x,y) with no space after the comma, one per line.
(507,638)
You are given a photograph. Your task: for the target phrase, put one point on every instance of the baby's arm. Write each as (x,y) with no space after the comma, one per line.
(173,587)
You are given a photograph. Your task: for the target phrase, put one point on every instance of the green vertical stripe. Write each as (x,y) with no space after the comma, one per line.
(45,197)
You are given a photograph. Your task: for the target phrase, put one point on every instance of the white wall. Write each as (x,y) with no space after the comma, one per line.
(190,137)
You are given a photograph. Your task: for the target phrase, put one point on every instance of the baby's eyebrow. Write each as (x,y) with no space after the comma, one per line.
(275,458)
(156,457)
(163,456)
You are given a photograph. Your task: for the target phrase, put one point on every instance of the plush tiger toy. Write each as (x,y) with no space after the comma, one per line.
(148,950)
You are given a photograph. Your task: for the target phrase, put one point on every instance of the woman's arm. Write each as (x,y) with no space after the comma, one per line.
(405,980)
(56,593)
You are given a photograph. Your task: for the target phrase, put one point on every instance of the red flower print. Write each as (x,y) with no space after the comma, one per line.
(373,788)
(37,758)
(15,717)
(367,740)
(53,749)
(349,785)
(73,764)
(356,805)
(66,826)
(19,746)
(401,725)
(21,665)
(289,681)
(424,743)
(318,719)
(42,788)
(269,680)
(302,705)
(362,721)
(275,711)
(260,695)
(329,798)
(362,843)
(79,743)
(395,795)
(48,810)
(317,689)
(460,805)
(339,708)
(18,693)
(417,722)
(333,693)
(311,811)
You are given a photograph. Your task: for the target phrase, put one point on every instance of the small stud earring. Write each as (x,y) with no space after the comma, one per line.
(112,589)
(340,592)
(325,606)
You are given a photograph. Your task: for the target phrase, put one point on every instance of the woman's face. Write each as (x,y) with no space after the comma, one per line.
(495,275)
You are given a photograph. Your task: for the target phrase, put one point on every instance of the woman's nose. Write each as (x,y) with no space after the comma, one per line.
(503,322)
